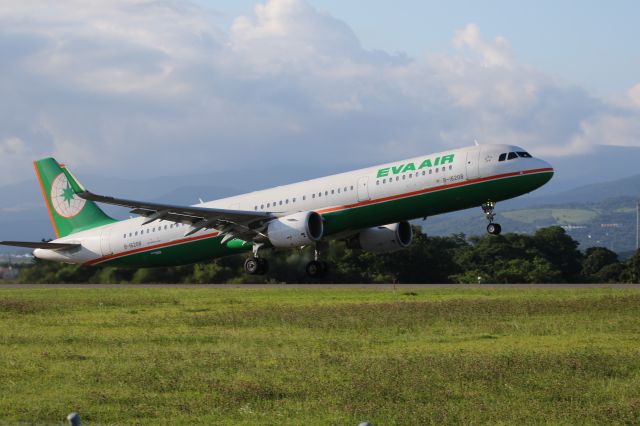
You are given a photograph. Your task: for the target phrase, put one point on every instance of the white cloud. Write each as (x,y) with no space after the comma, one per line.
(494,54)
(634,95)
(13,146)
(137,87)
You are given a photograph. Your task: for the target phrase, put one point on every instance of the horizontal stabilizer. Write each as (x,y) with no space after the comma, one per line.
(41,245)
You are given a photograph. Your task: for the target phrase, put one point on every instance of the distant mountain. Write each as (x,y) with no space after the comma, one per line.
(596,192)
(601,164)
(609,223)
(589,177)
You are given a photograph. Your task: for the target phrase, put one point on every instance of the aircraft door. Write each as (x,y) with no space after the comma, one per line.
(363,189)
(105,243)
(473,163)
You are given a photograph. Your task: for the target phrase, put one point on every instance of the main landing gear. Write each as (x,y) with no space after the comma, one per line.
(256,265)
(317,268)
(492,228)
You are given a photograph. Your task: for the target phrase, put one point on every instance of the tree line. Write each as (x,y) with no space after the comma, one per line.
(548,256)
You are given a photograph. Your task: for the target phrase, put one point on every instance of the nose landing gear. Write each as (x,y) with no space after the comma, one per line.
(487,209)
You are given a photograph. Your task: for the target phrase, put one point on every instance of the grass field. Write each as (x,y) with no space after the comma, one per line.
(323,356)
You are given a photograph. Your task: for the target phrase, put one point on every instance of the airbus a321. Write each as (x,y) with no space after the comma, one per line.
(368,208)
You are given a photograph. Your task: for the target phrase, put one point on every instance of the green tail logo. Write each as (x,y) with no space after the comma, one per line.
(69,213)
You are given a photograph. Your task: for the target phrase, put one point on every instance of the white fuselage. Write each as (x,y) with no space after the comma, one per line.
(323,195)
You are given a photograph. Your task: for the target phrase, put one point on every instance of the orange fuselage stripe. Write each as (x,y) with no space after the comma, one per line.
(156,246)
(427,190)
(332,209)
(46,200)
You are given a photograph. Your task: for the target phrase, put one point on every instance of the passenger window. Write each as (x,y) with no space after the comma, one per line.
(338,190)
(125,236)
(304,197)
(313,195)
(165,227)
(352,187)
(404,177)
(130,234)
(280,202)
(326,193)
(345,189)
(512,155)
(332,192)
(502,157)
(430,171)
(437,169)
(384,181)
(450,167)
(424,173)
(319,194)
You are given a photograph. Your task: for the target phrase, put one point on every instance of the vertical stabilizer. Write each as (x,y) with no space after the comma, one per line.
(69,213)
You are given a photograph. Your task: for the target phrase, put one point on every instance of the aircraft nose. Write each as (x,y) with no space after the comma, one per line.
(546,169)
(547,166)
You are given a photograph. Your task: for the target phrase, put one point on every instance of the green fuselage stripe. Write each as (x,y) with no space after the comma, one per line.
(427,202)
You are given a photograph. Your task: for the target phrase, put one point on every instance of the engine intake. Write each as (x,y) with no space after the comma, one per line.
(295,230)
(384,239)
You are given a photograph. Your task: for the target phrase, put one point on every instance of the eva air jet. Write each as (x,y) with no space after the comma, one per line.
(368,208)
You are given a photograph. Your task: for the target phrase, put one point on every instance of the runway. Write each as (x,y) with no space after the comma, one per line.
(323,286)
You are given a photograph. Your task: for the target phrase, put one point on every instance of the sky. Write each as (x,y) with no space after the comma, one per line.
(138,88)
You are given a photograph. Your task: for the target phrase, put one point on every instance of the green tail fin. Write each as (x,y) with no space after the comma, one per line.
(69,213)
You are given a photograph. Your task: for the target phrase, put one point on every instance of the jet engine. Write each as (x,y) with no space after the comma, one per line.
(295,230)
(384,239)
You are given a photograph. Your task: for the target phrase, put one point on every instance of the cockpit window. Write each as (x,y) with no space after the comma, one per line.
(524,154)
(502,157)
(512,155)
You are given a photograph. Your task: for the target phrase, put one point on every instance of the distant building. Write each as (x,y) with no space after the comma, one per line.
(573,227)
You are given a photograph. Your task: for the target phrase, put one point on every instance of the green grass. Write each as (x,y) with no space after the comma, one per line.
(245,356)
(558,216)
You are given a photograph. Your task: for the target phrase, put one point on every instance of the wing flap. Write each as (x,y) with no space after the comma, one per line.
(227,221)
(144,208)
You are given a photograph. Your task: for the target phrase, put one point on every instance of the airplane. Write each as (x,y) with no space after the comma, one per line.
(369,209)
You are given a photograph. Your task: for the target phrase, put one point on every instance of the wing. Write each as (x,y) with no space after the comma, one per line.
(41,245)
(242,224)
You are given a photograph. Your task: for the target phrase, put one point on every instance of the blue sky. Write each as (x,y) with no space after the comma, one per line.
(589,43)
(142,88)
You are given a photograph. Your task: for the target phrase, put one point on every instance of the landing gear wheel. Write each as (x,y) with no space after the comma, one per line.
(256,266)
(487,209)
(252,266)
(494,228)
(317,269)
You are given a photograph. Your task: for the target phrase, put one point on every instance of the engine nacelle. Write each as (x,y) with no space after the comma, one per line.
(384,239)
(295,230)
